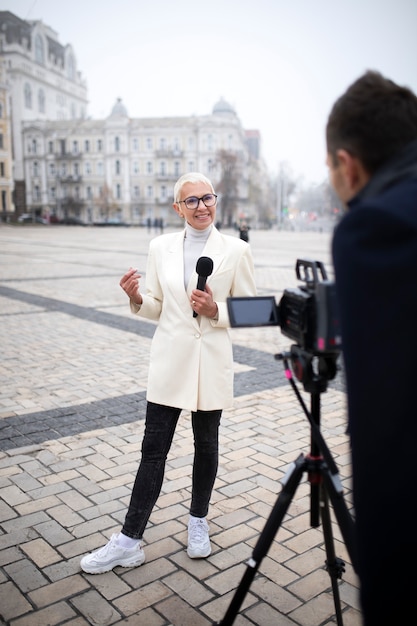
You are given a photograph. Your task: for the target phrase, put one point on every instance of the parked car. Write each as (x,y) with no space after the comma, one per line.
(28,218)
(73,221)
(112,222)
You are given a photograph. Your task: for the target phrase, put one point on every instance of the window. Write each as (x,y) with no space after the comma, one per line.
(191,166)
(149,143)
(2,169)
(149,167)
(1,141)
(1,109)
(162,168)
(135,144)
(28,96)
(76,169)
(87,145)
(118,191)
(149,191)
(34,146)
(77,193)
(118,167)
(64,170)
(117,144)
(163,192)
(87,168)
(177,147)
(3,201)
(162,144)
(89,193)
(39,50)
(136,191)
(37,193)
(62,146)
(75,147)
(191,143)
(135,167)
(41,101)
(51,169)
(100,168)
(70,67)
(176,168)
(35,168)
(210,142)
(52,193)
(99,145)
(50,147)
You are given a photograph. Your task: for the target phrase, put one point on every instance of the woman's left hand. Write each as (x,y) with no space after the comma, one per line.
(202,302)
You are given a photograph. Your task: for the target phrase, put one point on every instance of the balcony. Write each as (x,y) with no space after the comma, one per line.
(169,154)
(68,179)
(68,156)
(70,202)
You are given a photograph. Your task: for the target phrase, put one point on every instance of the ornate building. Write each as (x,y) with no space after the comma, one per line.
(122,169)
(118,169)
(42,80)
(6,180)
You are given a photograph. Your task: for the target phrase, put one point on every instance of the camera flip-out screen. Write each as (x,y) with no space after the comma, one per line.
(252,311)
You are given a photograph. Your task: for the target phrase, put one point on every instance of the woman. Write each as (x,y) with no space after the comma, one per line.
(191,363)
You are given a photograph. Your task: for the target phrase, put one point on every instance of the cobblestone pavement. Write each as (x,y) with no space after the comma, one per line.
(73,367)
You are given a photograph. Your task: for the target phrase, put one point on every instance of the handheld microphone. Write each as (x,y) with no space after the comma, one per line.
(204,268)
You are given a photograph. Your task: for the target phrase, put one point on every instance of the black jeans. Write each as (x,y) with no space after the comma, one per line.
(160,425)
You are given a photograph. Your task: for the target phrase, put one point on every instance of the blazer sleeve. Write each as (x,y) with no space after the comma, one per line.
(243,284)
(152,299)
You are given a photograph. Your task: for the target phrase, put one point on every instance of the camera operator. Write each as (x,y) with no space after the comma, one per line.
(371,138)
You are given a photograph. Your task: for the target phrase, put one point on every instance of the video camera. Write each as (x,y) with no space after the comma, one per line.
(306,314)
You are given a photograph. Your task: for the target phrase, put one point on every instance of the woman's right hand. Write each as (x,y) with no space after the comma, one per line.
(130,285)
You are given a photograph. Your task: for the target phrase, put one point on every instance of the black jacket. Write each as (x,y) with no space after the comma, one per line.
(375,260)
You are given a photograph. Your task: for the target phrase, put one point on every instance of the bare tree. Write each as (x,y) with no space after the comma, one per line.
(228,185)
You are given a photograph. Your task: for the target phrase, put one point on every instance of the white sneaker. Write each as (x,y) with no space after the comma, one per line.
(111,555)
(198,539)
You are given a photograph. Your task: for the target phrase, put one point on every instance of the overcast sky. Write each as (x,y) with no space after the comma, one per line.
(280,63)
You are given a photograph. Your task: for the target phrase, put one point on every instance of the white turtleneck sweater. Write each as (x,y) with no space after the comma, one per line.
(194,242)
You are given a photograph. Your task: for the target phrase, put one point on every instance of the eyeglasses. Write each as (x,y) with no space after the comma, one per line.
(192,203)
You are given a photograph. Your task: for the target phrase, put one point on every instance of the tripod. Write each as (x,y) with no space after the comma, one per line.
(323,477)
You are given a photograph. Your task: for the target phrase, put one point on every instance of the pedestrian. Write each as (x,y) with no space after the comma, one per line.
(371,139)
(191,363)
(244,232)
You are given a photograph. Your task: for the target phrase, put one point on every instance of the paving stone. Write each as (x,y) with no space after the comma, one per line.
(71,425)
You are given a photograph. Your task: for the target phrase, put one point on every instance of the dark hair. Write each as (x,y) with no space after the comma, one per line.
(373,120)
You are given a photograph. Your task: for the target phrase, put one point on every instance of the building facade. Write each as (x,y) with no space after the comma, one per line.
(118,169)
(122,169)
(6,162)
(42,80)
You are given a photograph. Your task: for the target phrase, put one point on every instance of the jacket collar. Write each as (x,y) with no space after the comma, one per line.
(402,167)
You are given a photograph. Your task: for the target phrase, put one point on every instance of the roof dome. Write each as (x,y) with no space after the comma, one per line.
(119,109)
(223,108)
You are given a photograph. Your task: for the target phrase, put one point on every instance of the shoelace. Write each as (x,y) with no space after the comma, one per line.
(197,531)
(109,546)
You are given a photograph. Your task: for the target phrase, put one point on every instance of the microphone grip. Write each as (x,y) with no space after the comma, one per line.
(201,283)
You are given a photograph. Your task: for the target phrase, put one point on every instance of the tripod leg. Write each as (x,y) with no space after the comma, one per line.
(334,565)
(343,516)
(290,484)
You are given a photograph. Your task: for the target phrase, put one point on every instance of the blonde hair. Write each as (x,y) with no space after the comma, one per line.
(191,177)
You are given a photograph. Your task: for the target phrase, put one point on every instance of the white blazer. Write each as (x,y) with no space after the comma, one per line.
(191,359)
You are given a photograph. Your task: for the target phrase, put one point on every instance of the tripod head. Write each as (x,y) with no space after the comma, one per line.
(312,370)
